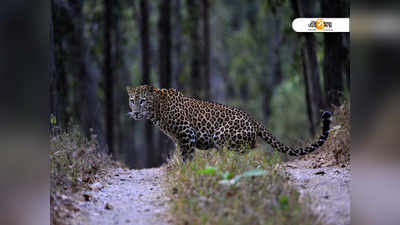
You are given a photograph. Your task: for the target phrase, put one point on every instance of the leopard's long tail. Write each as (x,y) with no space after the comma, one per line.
(271,140)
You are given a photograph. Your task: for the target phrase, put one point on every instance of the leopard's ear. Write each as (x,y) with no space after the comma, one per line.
(129,89)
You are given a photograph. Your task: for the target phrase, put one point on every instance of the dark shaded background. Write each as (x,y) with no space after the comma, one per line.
(241,53)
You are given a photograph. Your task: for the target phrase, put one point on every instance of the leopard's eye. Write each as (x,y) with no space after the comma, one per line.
(142,101)
(132,101)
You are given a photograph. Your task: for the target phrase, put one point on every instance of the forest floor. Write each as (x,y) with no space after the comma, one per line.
(124,197)
(127,196)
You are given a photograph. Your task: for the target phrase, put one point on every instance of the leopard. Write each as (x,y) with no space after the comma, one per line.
(193,123)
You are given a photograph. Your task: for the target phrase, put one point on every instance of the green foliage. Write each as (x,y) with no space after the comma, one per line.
(288,110)
(200,194)
(283,202)
(248,54)
(228,176)
(208,170)
(53,119)
(249,173)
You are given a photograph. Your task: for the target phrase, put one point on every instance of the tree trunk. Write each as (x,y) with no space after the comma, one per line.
(145,41)
(53,76)
(206,49)
(303,8)
(333,69)
(312,78)
(244,89)
(60,33)
(108,76)
(69,30)
(144,25)
(119,85)
(178,65)
(223,69)
(164,31)
(63,102)
(336,53)
(274,75)
(307,83)
(193,11)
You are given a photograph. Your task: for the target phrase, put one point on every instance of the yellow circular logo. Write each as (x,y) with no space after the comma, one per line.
(320,24)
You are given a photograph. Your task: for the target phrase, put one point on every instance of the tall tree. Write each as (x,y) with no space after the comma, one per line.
(164,31)
(177,42)
(146,70)
(62,28)
(223,68)
(165,69)
(336,53)
(108,76)
(121,80)
(118,84)
(86,102)
(53,73)
(274,58)
(304,8)
(206,48)
(193,9)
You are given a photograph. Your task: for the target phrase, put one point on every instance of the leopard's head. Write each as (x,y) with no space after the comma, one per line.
(141,102)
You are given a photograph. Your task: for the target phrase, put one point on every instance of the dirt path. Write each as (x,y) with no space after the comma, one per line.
(329,189)
(136,197)
(126,197)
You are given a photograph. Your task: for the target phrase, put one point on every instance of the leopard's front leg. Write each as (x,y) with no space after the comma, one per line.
(187,142)
(186,151)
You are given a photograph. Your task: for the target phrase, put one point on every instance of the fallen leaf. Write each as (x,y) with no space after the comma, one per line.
(249,173)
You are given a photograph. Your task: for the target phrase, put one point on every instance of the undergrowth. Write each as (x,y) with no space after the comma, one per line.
(75,161)
(231,188)
(336,150)
(340,140)
(75,164)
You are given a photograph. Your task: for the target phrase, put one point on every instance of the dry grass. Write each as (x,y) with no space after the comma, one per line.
(336,150)
(74,165)
(198,197)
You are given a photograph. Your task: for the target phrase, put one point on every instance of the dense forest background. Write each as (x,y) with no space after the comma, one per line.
(241,53)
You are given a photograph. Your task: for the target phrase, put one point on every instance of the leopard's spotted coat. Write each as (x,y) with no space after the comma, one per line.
(192,123)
